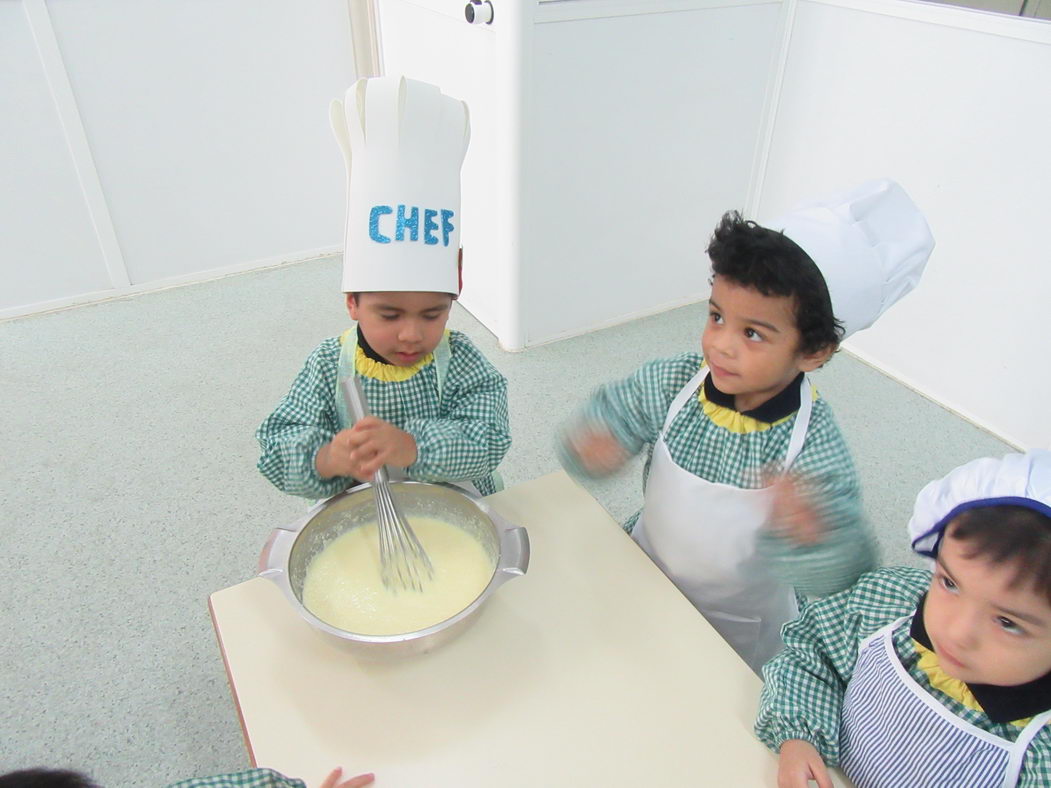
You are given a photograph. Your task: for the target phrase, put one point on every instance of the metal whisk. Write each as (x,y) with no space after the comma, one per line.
(404,564)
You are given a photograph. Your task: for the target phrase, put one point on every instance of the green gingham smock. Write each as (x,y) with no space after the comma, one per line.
(804,685)
(249,778)
(721,445)
(462,437)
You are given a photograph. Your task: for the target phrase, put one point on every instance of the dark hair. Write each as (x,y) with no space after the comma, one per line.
(775,265)
(1014,535)
(45,778)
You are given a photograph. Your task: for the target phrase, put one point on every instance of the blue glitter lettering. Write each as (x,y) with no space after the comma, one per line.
(429,226)
(447,226)
(412,223)
(374,223)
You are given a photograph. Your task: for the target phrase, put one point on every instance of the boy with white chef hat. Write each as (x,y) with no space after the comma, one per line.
(751,494)
(943,677)
(439,408)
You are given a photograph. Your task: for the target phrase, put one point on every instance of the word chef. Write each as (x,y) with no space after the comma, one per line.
(407,220)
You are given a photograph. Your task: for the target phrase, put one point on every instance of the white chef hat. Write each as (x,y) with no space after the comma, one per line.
(871,245)
(404,142)
(1014,480)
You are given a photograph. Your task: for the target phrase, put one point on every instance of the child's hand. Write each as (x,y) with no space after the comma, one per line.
(800,762)
(332,781)
(597,451)
(361,451)
(792,514)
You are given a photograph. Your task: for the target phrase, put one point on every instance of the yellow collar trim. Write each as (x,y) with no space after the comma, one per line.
(377,370)
(954,688)
(732,420)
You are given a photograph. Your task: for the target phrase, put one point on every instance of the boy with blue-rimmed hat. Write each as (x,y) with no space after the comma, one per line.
(439,408)
(751,495)
(943,677)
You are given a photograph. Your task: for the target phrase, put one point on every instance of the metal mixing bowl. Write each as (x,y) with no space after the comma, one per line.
(289,551)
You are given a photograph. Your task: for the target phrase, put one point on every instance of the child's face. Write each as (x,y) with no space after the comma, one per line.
(751,343)
(983,630)
(403,327)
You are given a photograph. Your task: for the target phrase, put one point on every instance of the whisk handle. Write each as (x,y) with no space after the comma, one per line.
(354,394)
(358,408)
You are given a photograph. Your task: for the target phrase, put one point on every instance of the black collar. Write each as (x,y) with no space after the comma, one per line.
(784,403)
(367,348)
(1001,704)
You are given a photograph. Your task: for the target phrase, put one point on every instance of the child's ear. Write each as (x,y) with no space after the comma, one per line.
(810,361)
(352,306)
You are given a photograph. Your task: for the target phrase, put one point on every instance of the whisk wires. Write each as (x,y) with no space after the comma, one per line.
(404,564)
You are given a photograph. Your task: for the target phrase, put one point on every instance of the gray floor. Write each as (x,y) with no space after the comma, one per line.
(130,493)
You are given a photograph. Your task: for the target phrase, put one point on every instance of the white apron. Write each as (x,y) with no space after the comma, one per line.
(703,535)
(893,733)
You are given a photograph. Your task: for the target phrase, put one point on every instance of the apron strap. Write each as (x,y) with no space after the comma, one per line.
(799,429)
(683,397)
(348,348)
(806,405)
(1018,749)
(884,633)
(442,357)
(347,367)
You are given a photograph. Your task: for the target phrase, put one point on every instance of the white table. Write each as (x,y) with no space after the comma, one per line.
(591,670)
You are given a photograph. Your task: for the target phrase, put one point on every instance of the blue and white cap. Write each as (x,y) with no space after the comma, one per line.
(871,245)
(404,142)
(1014,480)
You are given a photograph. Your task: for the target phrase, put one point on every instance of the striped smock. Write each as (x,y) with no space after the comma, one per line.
(893,733)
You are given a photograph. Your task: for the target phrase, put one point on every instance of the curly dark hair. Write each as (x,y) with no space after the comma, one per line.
(1013,535)
(773,264)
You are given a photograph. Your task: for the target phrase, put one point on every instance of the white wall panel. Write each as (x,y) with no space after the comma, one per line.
(208,123)
(48,246)
(953,104)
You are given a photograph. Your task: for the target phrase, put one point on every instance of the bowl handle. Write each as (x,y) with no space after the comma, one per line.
(514,553)
(274,557)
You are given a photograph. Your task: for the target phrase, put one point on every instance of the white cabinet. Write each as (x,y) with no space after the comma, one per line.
(607,139)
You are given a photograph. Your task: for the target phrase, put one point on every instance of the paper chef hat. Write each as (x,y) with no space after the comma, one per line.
(403,142)
(1015,480)
(871,245)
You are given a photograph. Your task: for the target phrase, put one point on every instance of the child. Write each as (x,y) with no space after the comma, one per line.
(722,517)
(439,408)
(268,778)
(249,778)
(918,678)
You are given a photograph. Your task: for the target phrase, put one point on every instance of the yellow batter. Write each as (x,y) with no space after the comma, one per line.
(343,585)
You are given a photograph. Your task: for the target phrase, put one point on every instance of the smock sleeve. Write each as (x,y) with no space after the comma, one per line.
(633,410)
(1036,768)
(249,778)
(804,685)
(847,547)
(471,434)
(302,423)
